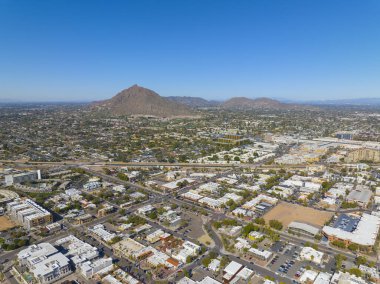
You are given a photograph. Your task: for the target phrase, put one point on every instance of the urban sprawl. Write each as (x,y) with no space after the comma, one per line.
(265,196)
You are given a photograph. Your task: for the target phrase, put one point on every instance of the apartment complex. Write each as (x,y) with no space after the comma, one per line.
(28,213)
(364,154)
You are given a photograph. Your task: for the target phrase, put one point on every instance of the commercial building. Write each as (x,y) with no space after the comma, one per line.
(231,270)
(28,213)
(89,269)
(45,262)
(77,250)
(323,278)
(308,276)
(344,135)
(231,139)
(260,254)
(310,254)
(22,177)
(364,234)
(303,228)
(127,247)
(155,236)
(100,231)
(347,278)
(361,195)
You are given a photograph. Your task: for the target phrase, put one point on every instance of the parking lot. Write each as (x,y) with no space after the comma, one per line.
(346,223)
(286,262)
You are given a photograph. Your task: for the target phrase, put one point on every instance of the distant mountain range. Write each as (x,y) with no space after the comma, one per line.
(243,102)
(194,101)
(137,100)
(235,103)
(352,102)
(259,103)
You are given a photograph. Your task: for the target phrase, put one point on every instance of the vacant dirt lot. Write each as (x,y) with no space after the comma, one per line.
(287,212)
(6,224)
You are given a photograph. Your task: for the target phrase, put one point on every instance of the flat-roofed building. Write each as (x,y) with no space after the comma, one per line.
(29,213)
(127,247)
(361,195)
(22,177)
(260,254)
(310,254)
(45,262)
(364,234)
(303,228)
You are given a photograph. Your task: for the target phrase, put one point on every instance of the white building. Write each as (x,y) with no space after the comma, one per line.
(231,270)
(45,262)
(365,233)
(310,254)
(308,276)
(100,231)
(323,278)
(261,254)
(90,268)
(347,278)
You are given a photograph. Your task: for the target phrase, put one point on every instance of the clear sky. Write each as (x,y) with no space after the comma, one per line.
(86,50)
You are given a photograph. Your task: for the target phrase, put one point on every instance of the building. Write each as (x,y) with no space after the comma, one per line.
(344,135)
(323,278)
(231,139)
(254,235)
(303,228)
(145,209)
(45,262)
(101,232)
(26,256)
(361,195)
(107,209)
(53,227)
(231,270)
(310,254)
(127,247)
(364,155)
(308,276)
(82,219)
(364,234)
(7,196)
(171,217)
(77,250)
(346,278)
(28,213)
(90,268)
(260,254)
(155,236)
(92,185)
(370,271)
(22,177)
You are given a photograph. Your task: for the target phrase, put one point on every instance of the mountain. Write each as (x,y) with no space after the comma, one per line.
(193,102)
(259,103)
(348,102)
(137,100)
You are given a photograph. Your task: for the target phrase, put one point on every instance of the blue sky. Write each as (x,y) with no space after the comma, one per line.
(54,50)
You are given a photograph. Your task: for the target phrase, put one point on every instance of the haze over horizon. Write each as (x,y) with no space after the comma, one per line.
(90,50)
